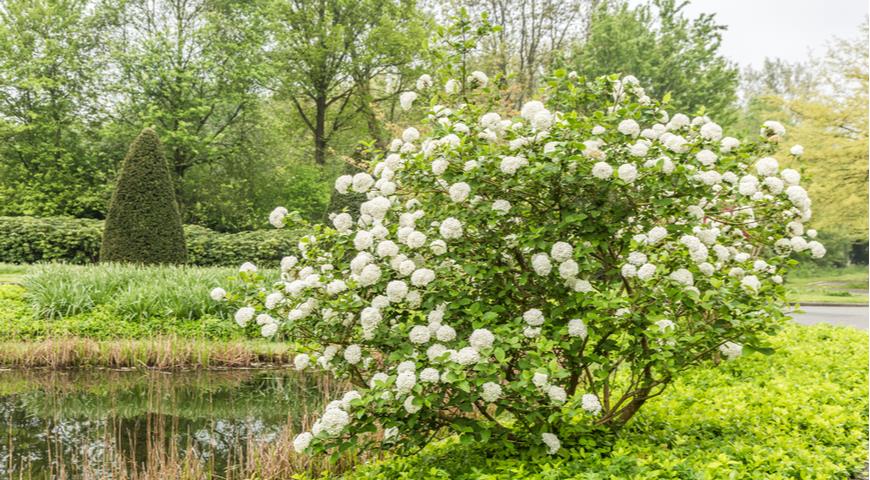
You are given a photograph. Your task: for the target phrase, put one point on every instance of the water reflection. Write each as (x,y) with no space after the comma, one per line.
(99,423)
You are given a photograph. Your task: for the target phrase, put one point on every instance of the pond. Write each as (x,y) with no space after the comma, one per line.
(119,424)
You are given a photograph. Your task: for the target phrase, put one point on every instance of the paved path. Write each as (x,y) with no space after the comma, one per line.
(843,316)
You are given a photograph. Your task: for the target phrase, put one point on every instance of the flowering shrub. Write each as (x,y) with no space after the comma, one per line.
(528,278)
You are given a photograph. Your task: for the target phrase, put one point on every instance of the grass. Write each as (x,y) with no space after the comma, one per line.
(127,291)
(830,285)
(12,273)
(801,412)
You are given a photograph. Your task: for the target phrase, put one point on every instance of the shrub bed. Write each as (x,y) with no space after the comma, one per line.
(798,413)
(77,241)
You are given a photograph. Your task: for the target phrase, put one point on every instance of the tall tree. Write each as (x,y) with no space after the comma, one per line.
(49,85)
(668,52)
(190,68)
(328,54)
(826,114)
(532,33)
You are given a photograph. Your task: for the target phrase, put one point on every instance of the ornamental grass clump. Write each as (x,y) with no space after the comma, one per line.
(530,278)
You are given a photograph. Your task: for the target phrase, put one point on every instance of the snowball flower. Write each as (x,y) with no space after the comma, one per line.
(646,271)
(269,329)
(353,354)
(817,250)
(773,127)
(429,375)
(406,99)
(510,164)
(561,251)
(343,222)
(301,361)
(490,392)
(552,442)
(302,441)
(422,277)
(335,287)
(767,166)
(419,335)
(576,328)
(501,206)
(750,283)
(628,127)
(533,317)
(540,380)
(590,403)
(479,77)
(396,290)
(557,394)
(602,170)
(656,234)
(276,218)
(450,228)
(410,135)
(481,338)
(731,350)
(797,150)
(466,356)
(370,275)
(248,267)
(451,87)
(445,333)
(627,172)
(682,276)
(541,264)
(217,294)
(362,182)
(530,109)
(244,315)
(334,420)
(706,157)
(459,192)
(387,248)
(568,269)
(711,131)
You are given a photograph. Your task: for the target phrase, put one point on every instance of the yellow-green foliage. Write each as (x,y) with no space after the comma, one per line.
(798,413)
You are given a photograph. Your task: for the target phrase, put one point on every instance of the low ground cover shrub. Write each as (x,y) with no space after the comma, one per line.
(798,413)
(77,241)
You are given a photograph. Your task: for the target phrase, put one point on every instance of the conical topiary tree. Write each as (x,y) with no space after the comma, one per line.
(143,224)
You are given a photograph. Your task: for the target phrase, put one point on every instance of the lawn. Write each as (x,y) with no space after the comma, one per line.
(11,273)
(830,285)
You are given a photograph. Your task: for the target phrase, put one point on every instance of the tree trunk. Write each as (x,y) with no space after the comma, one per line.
(320,131)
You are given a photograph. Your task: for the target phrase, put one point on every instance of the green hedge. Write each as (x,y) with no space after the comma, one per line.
(77,240)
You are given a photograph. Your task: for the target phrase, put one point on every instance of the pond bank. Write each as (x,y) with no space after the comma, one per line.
(161,353)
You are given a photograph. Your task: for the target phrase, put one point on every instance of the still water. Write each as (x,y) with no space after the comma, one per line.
(105,423)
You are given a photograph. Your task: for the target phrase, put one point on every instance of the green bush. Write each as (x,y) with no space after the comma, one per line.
(126,291)
(77,241)
(143,224)
(263,247)
(798,413)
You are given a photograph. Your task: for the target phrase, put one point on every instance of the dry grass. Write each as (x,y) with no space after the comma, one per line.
(165,353)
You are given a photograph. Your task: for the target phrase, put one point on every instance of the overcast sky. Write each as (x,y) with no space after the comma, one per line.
(788,29)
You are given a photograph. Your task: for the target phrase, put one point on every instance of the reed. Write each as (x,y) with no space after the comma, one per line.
(162,353)
(157,456)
